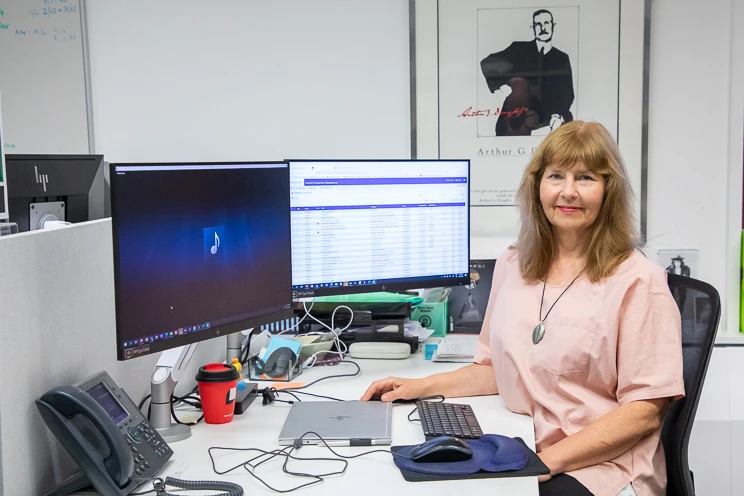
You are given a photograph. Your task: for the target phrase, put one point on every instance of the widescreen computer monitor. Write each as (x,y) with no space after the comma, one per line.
(200,250)
(379,225)
(54,187)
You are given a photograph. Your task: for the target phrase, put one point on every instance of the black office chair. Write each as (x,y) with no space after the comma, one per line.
(700,307)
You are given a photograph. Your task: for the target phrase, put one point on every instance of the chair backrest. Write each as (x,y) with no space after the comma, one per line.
(700,307)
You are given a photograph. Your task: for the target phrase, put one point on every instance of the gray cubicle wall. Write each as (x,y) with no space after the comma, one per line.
(57,327)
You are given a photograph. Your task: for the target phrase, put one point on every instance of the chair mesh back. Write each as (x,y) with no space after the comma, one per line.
(700,308)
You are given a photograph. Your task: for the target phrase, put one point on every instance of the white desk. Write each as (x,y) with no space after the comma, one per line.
(374,474)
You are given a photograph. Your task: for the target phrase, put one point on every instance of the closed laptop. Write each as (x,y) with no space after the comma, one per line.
(339,423)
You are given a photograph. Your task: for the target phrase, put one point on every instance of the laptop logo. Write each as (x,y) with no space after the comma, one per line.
(42,179)
(340,417)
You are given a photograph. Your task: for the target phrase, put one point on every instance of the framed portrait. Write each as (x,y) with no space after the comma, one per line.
(493,77)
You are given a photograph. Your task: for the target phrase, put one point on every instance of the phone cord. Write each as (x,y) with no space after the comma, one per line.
(230,488)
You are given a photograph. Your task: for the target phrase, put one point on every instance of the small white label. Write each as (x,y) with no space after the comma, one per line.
(231,395)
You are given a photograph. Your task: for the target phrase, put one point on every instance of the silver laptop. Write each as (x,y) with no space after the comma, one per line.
(339,423)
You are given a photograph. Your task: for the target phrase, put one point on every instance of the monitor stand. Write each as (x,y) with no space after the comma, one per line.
(234,346)
(169,369)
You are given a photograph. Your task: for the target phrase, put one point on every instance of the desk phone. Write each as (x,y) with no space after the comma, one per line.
(106,434)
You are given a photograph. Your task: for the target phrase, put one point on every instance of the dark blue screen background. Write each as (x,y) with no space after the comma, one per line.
(168,279)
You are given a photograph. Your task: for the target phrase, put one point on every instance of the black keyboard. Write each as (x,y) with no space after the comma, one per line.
(448,419)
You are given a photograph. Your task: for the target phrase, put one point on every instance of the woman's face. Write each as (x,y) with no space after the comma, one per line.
(571,197)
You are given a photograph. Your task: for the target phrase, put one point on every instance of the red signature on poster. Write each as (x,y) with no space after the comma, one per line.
(469,112)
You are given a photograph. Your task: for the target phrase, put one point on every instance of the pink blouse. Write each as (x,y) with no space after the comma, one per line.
(605,345)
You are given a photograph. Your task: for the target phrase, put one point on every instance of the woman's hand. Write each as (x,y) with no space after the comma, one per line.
(396,388)
(545,478)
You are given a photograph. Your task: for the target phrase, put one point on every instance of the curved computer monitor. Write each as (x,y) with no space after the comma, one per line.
(200,250)
(69,188)
(379,225)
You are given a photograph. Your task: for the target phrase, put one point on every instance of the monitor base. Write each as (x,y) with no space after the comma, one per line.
(168,371)
(175,433)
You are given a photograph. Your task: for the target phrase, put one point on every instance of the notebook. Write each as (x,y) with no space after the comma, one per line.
(339,423)
(456,349)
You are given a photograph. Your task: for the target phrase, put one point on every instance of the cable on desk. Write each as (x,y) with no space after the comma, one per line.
(287,452)
(439,397)
(159,487)
(341,348)
(176,419)
(317,395)
(336,333)
(358,371)
(269,396)
(246,350)
(307,313)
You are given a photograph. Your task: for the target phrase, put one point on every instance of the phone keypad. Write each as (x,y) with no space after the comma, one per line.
(144,440)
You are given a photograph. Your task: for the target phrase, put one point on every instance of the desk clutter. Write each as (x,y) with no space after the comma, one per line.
(327,422)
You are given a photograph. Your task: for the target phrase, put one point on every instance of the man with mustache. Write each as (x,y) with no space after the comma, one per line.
(534,75)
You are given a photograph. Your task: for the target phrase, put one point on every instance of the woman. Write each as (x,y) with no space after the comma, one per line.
(581,331)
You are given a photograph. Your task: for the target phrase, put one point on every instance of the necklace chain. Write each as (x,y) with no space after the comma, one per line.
(542,298)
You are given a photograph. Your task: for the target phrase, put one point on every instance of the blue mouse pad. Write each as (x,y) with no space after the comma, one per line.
(534,466)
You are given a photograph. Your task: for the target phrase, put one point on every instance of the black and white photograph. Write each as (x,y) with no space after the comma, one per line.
(527,61)
(684,262)
(504,73)
(681,261)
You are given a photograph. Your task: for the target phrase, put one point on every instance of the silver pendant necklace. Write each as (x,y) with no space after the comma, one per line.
(539,331)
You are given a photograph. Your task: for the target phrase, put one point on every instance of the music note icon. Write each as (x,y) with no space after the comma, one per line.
(216,245)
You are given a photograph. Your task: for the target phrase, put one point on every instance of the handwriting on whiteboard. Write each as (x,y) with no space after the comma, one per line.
(50,9)
(9,146)
(56,34)
(53,11)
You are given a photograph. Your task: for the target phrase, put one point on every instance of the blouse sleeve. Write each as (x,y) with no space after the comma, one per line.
(483,349)
(649,344)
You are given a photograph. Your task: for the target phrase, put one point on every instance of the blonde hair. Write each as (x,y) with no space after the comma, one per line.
(613,235)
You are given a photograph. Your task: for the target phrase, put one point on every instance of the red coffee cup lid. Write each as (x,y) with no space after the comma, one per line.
(217,372)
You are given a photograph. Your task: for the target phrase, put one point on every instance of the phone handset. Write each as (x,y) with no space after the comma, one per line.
(60,404)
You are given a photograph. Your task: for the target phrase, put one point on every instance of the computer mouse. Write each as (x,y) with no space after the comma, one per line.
(442,449)
(278,363)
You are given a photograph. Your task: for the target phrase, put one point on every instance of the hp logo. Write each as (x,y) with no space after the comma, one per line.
(42,179)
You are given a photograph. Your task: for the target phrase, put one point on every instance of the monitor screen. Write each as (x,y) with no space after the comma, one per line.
(371,225)
(200,250)
(41,188)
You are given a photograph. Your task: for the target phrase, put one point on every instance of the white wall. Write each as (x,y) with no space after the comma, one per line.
(696,112)
(692,102)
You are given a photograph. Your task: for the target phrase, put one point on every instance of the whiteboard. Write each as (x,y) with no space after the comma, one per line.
(42,79)
(249,80)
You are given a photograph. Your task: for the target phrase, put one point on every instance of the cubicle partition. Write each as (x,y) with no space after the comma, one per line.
(57,327)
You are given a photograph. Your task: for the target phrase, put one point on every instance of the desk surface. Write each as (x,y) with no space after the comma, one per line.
(375,474)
